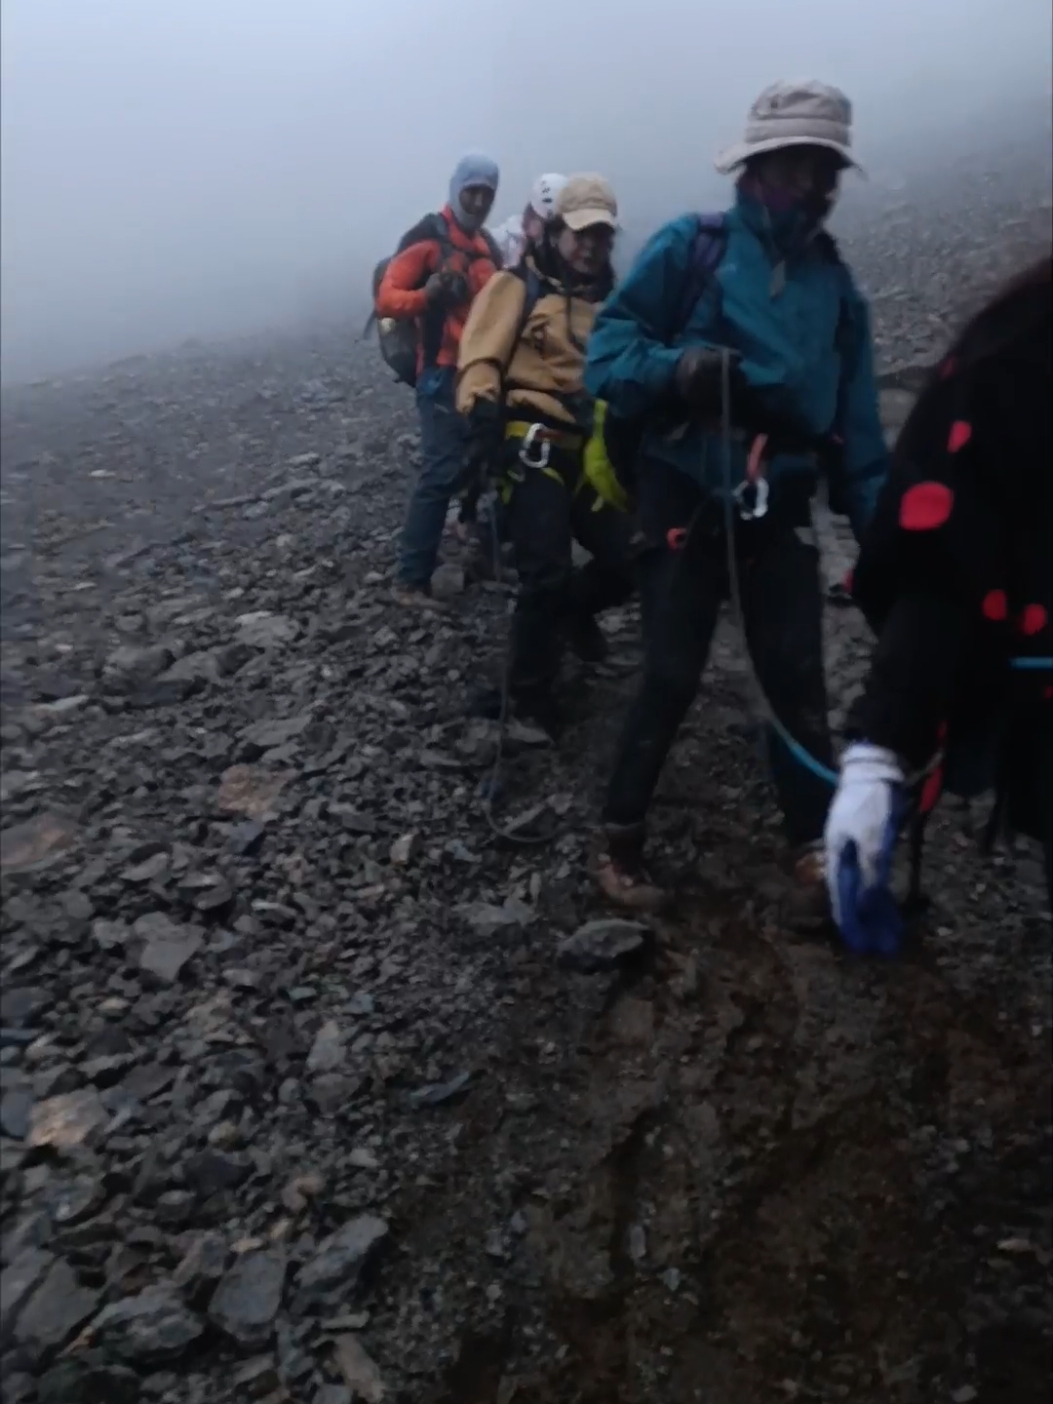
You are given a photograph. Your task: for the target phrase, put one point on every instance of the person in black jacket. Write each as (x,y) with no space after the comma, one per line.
(954,577)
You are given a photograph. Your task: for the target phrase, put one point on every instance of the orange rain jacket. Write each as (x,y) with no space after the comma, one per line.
(401,292)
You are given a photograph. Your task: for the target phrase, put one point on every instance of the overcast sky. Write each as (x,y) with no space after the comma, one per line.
(202,167)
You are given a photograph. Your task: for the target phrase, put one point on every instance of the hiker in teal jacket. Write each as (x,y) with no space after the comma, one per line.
(742,348)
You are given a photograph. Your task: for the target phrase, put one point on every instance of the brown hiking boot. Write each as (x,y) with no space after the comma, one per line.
(414,597)
(806,906)
(620,872)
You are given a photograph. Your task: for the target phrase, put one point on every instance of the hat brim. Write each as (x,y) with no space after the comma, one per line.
(740,153)
(577,220)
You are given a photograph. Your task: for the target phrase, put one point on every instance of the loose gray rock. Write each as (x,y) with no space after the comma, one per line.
(148,870)
(359,1370)
(168,946)
(37,842)
(89,1378)
(404,850)
(67,1120)
(201,1267)
(251,790)
(327,1052)
(340,1262)
(21,1007)
(151,1327)
(487,919)
(130,666)
(111,935)
(333,1394)
(266,735)
(447,582)
(18,1282)
(58,1307)
(256,1378)
(262,629)
(601,944)
(248,1298)
(16,1109)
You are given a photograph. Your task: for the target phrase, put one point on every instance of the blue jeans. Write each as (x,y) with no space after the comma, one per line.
(443,440)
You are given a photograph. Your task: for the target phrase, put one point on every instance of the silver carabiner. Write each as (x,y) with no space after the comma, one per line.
(750,508)
(545,448)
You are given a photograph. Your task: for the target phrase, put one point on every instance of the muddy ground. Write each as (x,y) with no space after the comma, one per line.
(307,1095)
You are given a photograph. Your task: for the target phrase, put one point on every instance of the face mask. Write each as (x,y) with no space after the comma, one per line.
(783,203)
(468,221)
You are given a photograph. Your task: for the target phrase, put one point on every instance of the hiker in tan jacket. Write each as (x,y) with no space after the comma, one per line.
(519,385)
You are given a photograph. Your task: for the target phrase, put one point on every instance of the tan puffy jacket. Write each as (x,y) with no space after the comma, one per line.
(538,370)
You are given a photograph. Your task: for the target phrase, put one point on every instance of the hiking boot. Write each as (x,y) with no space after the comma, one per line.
(480,564)
(539,709)
(806,906)
(620,872)
(414,597)
(587,639)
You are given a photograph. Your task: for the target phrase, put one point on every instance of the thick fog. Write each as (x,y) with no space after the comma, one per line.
(213,166)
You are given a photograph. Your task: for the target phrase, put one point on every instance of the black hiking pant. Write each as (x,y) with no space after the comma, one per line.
(680,594)
(547,511)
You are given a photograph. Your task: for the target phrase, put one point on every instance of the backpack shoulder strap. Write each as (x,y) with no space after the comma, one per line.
(707,249)
(432,226)
(533,289)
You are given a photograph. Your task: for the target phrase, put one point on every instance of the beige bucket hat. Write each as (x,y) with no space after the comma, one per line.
(805,113)
(586,200)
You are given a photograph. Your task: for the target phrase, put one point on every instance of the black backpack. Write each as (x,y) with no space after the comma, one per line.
(400,339)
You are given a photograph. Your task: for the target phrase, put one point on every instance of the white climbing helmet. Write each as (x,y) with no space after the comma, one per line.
(543,194)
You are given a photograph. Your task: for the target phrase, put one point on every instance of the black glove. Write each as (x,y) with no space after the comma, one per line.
(485,438)
(699,379)
(447,288)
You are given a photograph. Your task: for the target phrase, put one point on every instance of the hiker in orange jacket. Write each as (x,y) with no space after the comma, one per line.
(433,281)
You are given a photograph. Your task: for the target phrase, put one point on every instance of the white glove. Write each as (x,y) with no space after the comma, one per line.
(865,812)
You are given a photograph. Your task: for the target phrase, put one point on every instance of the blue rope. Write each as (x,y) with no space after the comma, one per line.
(1032,665)
(803,757)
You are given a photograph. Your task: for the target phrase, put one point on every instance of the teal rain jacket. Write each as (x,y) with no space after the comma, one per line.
(802,331)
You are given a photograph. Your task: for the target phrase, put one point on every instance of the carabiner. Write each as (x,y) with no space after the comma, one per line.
(544,454)
(751,498)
